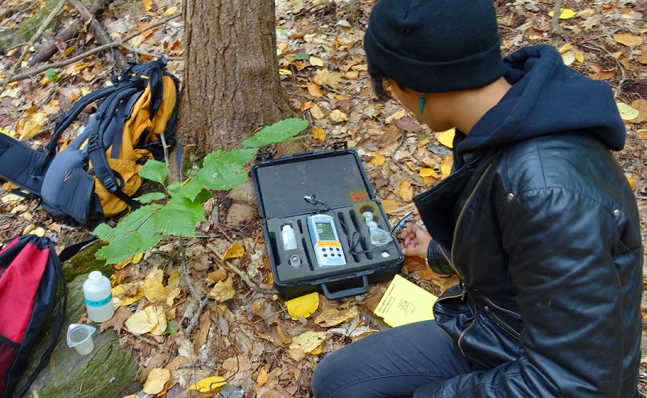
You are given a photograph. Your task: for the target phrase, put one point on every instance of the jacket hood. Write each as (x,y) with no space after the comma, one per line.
(546,97)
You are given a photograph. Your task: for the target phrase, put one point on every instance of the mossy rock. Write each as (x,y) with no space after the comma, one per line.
(84,262)
(108,371)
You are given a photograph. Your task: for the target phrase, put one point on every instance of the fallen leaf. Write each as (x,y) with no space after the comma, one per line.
(150,6)
(395,116)
(338,116)
(117,320)
(334,317)
(446,167)
(308,341)
(154,291)
(446,138)
(318,134)
(216,276)
(303,306)
(223,290)
(262,377)
(406,191)
(316,112)
(33,126)
(235,251)
(565,13)
(209,384)
(177,362)
(377,159)
(156,381)
(314,89)
(314,61)
(390,205)
(631,182)
(628,39)
(170,11)
(151,319)
(627,112)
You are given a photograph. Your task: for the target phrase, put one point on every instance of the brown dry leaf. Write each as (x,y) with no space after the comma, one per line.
(117,320)
(261,379)
(378,159)
(628,39)
(216,276)
(395,116)
(177,362)
(223,290)
(308,341)
(127,293)
(316,112)
(156,381)
(150,6)
(390,205)
(314,89)
(641,106)
(338,116)
(334,317)
(406,190)
(33,125)
(235,251)
(318,134)
(154,291)
(282,337)
(327,78)
(203,332)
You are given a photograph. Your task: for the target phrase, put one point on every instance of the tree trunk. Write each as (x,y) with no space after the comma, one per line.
(231,82)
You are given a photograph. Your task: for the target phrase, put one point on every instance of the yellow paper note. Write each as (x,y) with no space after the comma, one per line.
(405,302)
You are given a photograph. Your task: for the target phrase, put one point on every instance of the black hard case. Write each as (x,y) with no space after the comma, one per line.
(337,178)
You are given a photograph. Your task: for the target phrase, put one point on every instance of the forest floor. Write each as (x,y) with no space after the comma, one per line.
(251,340)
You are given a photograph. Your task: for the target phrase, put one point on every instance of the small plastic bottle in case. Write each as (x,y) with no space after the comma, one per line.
(287,234)
(98,297)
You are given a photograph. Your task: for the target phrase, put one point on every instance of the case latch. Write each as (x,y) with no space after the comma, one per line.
(339,145)
(262,157)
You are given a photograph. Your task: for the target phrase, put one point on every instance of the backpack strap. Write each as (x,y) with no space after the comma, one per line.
(64,121)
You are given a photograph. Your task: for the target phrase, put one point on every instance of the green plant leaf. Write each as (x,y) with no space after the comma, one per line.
(192,188)
(51,75)
(105,232)
(150,197)
(277,132)
(134,220)
(301,56)
(120,249)
(194,208)
(174,222)
(224,170)
(154,170)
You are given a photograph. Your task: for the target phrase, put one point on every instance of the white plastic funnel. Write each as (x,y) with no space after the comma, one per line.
(80,337)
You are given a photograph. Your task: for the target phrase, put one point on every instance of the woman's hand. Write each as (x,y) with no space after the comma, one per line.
(415,241)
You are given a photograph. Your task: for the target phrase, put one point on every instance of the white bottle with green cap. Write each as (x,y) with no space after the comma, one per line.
(98,297)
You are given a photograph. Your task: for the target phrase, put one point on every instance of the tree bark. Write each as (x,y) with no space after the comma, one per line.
(231,81)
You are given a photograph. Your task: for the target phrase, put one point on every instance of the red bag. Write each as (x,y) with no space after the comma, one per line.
(31,287)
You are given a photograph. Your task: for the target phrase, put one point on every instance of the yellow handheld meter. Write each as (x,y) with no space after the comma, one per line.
(325,241)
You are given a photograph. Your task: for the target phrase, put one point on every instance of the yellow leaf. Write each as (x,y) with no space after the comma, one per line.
(446,137)
(406,190)
(314,61)
(33,126)
(627,112)
(303,306)
(156,381)
(338,116)
(565,48)
(137,258)
(235,251)
(318,134)
(628,39)
(565,13)
(378,159)
(173,281)
(148,5)
(142,322)
(159,313)
(40,231)
(334,317)
(7,131)
(285,72)
(154,291)
(262,377)
(308,341)
(155,274)
(127,293)
(206,385)
(12,197)
(579,56)
(396,116)
(446,167)
(316,112)
(170,11)
(427,172)
(314,89)
(568,58)
(216,276)
(390,205)
(223,291)
(632,184)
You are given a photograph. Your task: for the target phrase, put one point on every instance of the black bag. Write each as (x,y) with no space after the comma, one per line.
(31,287)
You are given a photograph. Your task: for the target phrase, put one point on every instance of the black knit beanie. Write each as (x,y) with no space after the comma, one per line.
(434,46)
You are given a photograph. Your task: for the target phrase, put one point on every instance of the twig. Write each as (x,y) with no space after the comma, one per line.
(400,142)
(240,273)
(147,54)
(40,31)
(556,30)
(196,317)
(85,54)
(622,70)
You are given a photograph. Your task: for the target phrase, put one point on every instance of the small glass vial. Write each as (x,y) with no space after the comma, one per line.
(98,297)
(379,237)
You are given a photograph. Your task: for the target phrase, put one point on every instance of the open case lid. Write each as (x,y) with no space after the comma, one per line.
(335,177)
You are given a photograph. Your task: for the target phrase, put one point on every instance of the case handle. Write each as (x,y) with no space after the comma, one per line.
(346,292)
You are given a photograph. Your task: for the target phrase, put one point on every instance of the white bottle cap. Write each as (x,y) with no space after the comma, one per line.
(95,277)
(368,216)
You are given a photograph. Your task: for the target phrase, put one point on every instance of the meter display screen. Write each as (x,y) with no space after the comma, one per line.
(325,231)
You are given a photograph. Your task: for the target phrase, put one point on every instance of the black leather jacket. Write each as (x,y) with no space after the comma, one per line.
(544,236)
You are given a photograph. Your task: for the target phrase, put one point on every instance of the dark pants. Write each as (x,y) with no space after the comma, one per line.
(392,363)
